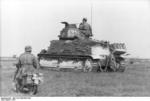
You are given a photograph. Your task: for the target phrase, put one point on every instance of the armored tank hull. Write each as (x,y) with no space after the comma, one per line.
(75,52)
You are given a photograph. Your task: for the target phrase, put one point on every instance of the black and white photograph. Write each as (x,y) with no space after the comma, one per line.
(74,48)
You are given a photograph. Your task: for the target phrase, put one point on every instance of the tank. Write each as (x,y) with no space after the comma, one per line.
(74,51)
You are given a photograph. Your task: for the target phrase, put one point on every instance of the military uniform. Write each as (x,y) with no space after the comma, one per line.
(86,29)
(28,64)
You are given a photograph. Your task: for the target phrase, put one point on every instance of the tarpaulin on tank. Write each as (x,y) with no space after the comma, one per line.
(73,47)
(76,47)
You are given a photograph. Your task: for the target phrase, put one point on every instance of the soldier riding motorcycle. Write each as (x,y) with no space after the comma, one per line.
(26,77)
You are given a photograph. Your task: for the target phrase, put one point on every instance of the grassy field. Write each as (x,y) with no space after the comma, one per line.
(135,81)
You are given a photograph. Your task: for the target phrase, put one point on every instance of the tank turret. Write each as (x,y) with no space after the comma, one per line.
(70,32)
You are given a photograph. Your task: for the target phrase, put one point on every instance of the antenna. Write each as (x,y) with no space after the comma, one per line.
(91,11)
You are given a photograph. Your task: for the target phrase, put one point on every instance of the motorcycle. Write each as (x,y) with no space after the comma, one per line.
(29,83)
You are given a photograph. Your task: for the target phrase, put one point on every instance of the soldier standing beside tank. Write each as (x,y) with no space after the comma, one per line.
(27,63)
(85,28)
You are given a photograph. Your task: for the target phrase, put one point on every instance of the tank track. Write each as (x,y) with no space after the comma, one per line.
(74,57)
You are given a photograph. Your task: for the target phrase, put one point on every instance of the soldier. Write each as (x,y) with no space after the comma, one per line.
(85,28)
(27,63)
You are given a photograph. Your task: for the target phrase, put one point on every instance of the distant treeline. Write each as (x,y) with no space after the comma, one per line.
(7,59)
(138,60)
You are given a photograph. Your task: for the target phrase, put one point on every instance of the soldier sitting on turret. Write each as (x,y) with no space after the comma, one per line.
(85,28)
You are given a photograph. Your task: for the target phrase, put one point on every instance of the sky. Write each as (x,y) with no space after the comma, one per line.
(37,22)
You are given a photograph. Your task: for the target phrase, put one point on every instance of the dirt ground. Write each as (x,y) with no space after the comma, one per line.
(135,81)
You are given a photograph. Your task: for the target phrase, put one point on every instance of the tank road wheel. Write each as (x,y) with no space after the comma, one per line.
(83,66)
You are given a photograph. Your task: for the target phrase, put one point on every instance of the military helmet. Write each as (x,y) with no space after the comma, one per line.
(28,48)
(84,19)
